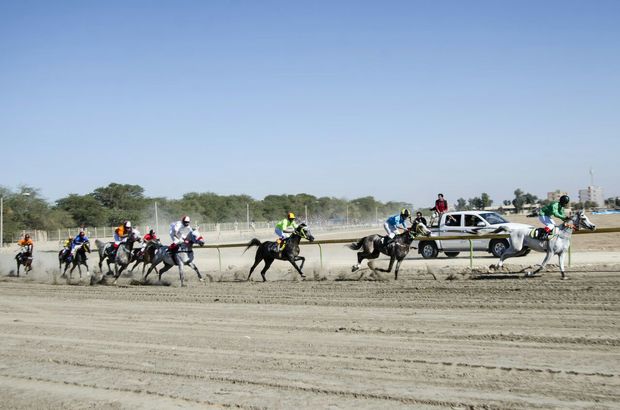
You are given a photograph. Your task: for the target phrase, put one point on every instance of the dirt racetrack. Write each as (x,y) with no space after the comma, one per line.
(498,343)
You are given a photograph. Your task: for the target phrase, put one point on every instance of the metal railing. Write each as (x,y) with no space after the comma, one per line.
(318,243)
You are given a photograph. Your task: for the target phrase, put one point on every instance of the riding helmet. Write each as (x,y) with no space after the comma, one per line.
(127,224)
(185,220)
(564,200)
(405,213)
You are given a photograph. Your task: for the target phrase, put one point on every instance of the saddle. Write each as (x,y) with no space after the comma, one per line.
(540,233)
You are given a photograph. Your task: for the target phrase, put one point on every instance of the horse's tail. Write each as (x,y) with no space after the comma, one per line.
(253,242)
(356,246)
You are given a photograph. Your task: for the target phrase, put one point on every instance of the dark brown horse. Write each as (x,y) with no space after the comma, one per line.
(146,255)
(268,251)
(79,258)
(24,257)
(372,246)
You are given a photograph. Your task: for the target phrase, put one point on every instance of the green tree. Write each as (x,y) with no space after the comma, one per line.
(461,204)
(486,200)
(84,209)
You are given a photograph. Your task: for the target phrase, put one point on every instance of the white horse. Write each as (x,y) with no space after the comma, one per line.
(183,256)
(557,244)
(121,257)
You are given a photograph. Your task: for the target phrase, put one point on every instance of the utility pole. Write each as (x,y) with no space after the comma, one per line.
(1,221)
(306,215)
(247,214)
(156,219)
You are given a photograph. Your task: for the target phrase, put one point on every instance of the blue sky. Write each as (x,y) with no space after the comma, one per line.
(396,99)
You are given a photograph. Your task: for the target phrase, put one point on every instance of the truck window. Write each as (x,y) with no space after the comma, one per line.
(472,220)
(453,220)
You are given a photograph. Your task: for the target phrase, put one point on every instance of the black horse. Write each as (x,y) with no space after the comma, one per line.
(269,251)
(397,249)
(24,257)
(64,256)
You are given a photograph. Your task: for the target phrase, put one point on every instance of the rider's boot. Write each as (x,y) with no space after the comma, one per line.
(386,240)
(544,234)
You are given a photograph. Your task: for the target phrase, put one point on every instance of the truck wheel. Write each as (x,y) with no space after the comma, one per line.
(452,254)
(428,250)
(498,246)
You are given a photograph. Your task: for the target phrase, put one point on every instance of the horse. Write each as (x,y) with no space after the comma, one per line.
(24,257)
(64,256)
(145,256)
(121,257)
(269,251)
(373,246)
(558,243)
(183,256)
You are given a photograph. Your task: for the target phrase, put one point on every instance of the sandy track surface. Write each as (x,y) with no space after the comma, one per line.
(503,343)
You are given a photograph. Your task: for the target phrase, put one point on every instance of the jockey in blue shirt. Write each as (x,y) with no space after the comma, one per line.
(395,222)
(79,240)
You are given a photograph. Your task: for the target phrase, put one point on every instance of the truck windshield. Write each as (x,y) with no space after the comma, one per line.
(493,218)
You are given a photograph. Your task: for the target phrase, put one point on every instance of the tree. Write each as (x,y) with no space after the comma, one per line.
(124,201)
(461,204)
(84,209)
(486,200)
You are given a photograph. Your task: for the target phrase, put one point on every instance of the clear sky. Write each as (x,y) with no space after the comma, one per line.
(396,99)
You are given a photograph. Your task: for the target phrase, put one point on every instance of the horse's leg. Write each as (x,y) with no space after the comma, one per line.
(396,268)
(544,263)
(161,272)
(302,259)
(389,269)
(561,257)
(258,258)
(292,261)
(513,249)
(195,268)
(181,274)
(268,262)
(18,269)
(134,265)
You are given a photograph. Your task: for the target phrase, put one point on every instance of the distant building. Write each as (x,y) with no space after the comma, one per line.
(555,195)
(593,194)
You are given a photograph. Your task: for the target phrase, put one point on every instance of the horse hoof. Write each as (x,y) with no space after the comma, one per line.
(202,279)
(354,268)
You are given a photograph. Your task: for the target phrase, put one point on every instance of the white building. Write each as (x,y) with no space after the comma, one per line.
(593,194)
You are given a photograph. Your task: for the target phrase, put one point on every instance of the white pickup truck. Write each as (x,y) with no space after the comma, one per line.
(461,223)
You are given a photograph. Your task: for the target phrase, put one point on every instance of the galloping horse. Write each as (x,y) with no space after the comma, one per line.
(269,251)
(372,246)
(77,260)
(121,257)
(24,257)
(558,243)
(146,255)
(183,256)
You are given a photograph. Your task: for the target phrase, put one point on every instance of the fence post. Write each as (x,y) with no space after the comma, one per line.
(219,257)
(320,254)
(471,254)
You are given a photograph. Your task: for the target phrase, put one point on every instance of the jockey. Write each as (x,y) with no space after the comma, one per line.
(178,232)
(285,228)
(395,222)
(78,241)
(121,233)
(66,246)
(26,246)
(148,237)
(553,209)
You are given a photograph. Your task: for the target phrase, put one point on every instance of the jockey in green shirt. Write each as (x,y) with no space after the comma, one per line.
(555,209)
(285,227)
